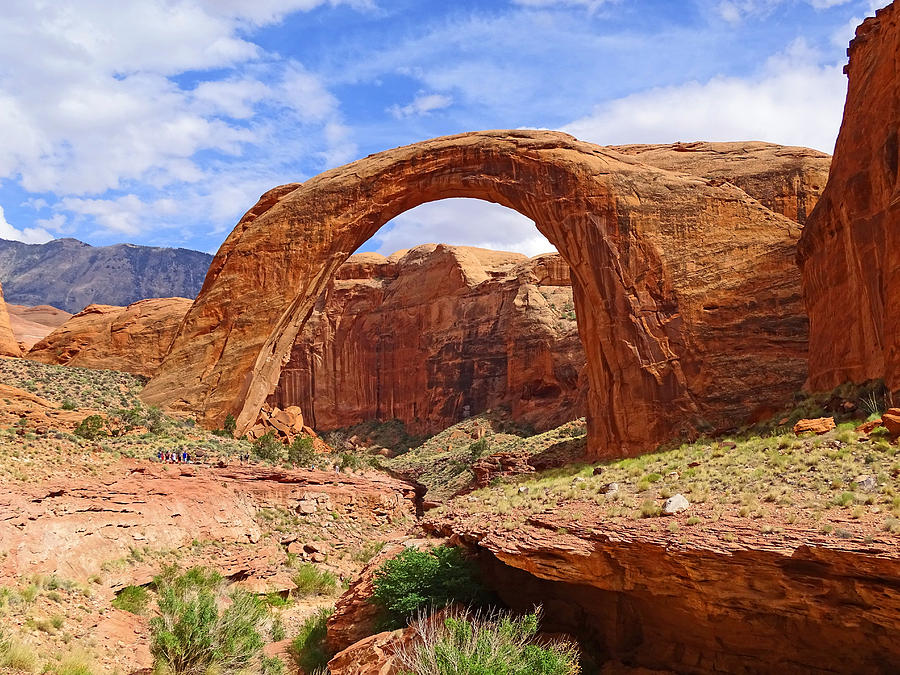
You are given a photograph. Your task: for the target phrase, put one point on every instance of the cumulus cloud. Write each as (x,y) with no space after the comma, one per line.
(791,101)
(422,104)
(92,108)
(463,222)
(28,235)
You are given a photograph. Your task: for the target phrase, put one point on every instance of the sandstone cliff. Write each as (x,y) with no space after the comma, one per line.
(8,344)
(436,334)
(132,339)
(848,251)
(30,325)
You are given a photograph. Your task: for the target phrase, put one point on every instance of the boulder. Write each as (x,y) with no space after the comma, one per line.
(890,420)
(675,504)
(820,425)
(373,655)
(849,252)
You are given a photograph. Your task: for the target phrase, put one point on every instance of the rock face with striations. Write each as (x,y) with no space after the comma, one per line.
(8,344)
(132,339)
(849,249)
(435,334)
(30,325)
(687,295)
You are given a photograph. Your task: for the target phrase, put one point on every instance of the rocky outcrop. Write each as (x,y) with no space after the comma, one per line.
(70,274)
(30,325)
(9,346)
(848,251)
(711,599)
(436,334)
(72,525)
(131,339)
(687,297)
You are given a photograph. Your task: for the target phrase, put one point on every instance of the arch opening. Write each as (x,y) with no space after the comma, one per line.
(646,249)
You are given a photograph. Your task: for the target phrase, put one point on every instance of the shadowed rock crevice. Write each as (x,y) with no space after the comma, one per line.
(647,249)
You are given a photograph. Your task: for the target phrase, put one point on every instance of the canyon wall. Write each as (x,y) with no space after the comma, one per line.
(436,334)
(848,250)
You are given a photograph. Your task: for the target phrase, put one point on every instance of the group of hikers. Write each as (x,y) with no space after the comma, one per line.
(174,457)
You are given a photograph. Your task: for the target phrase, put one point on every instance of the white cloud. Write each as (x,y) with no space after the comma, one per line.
(792,101)
(590,5)
(463,222)
(422,104)
(735,11)
(91,110)
(29,235)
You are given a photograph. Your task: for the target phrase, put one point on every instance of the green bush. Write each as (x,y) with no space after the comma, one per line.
(132,599)
(268,447)
(230,425)
(193,636)
(479,448)
(487,644)
(301,452)
(424,580)
(311,580)
(69,404)
(308,648)
(91,428)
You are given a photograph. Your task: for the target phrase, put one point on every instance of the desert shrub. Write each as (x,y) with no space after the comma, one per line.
(479,448)
(268,447)
(311,580)
(352,460)
(424,580)
(68,404)
(132,599)
(193,636)
(488,644)
(91,428)
(228,428)
(17,655)
(301,452)
(308,647)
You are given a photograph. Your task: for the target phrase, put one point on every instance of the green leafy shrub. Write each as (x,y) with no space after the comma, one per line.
(91,428)
(308,647)
(424,580)
(468,642)
(268,447)
(311,580)
(479,448)
(192,636)
(132,599)
(301,452)
(68,404)
(228,428)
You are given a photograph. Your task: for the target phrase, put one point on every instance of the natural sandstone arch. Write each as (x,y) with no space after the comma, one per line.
(684,288)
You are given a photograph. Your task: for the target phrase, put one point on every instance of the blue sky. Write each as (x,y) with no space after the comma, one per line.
(160,122)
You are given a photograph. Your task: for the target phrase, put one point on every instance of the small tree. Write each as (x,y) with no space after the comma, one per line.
(301,452)
(268,447)
(91,428)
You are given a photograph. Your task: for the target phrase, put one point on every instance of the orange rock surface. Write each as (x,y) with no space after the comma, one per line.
(9,346)
(686,293)
(132,339)
(30,325)
(436,334)
(848,251)
(820,425)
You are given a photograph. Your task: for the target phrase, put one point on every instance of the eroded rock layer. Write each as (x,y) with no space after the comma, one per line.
(435,334)
(687,297)
(8,344)
(848,251)
(132,339)
(30,324)
(746,604)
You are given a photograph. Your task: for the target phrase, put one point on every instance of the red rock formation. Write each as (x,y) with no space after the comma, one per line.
(132,339)
(8,344)
(687,298)
(787,180)
(698,602)
(848,251)
(30,325)
(436,334)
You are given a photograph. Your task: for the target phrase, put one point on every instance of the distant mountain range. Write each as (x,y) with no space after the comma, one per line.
(70,274)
